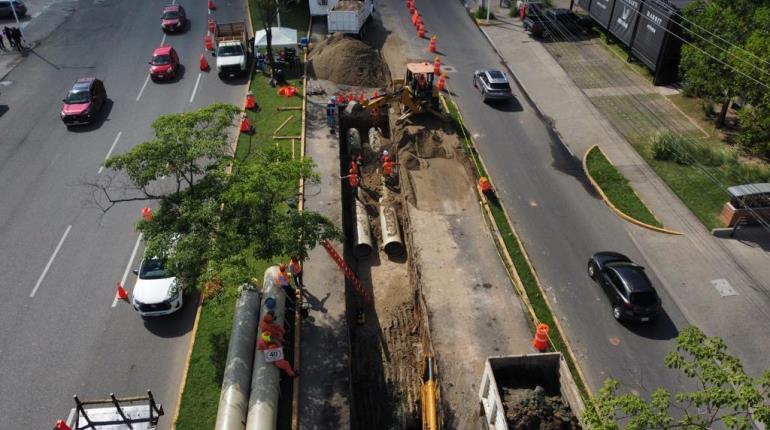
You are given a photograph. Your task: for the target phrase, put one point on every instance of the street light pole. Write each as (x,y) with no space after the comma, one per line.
(16,17)
(488,5)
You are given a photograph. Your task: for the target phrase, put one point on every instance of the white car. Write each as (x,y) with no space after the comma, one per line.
(156,293)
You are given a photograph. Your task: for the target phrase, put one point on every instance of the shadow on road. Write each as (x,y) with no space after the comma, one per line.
(4,109)
(661,328)
(178,323)
(510,105)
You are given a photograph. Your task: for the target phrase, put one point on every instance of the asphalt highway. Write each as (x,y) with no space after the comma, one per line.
(60,258)
(560,219)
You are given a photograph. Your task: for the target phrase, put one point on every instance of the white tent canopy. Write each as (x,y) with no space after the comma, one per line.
(283,37)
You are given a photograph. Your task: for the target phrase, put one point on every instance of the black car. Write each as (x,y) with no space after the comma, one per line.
(563,23)
(630,291)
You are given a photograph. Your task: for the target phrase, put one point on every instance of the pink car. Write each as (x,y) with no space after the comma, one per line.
(164,64)
(83,102)
(173,19)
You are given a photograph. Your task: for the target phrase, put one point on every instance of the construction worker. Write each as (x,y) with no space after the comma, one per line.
(295,268)
(331,110)
(353,180)
(266,342)
(267,324)
(283,280)
(385,156)
(387,168)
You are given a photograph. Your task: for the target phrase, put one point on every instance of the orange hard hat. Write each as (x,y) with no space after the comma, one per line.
(282,267)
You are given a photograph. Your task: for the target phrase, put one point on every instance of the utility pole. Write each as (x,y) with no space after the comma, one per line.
(488,6)
(16,17)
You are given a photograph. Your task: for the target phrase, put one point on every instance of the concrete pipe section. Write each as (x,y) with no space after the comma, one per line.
(234,399)
(391,232)
(375,139)
(354,142)
(265,378)
(363,240)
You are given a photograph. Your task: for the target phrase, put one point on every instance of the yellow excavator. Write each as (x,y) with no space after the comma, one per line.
(416,93)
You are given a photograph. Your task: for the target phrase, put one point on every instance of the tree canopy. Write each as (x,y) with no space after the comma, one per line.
(724,393)
(206,215)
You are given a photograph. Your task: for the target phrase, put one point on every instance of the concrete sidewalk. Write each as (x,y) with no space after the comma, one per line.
(721,285)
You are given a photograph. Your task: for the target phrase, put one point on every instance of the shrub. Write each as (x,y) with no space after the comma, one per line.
(668,146)
(481,13)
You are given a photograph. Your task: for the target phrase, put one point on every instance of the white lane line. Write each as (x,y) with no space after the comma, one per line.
(50,261)
(128,268)
(114,142)
(197,81)
(147,79)
(163,40)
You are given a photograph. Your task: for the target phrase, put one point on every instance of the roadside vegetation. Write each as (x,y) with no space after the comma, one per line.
(514,248)
(617,189)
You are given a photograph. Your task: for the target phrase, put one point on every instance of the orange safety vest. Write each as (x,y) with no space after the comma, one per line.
(282,279)
(353,179)
(295,267)
(387,168)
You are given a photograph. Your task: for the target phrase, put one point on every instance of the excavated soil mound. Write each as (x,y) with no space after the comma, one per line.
(532,410)
(349,61)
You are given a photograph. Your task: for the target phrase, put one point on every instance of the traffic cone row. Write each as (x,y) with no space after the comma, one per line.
(208,43)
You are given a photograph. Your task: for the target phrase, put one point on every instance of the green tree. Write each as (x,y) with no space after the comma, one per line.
(205,214)
(725,394)
(268,11)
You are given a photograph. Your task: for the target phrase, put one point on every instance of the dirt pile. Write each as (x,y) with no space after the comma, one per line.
(527,409)
(348,61)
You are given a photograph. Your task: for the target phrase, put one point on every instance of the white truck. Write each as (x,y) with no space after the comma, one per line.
(231,49)
(349,16)
(517,390)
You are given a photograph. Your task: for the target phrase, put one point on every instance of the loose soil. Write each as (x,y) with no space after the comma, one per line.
(348,61)
(529,409)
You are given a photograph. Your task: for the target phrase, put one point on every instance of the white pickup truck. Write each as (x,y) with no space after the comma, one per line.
(231,49)
(349,16)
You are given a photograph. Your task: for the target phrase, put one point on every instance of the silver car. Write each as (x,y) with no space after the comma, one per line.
(493,85)
(6,12)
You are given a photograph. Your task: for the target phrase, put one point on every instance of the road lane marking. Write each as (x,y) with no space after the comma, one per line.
(163,40)
(197,81)
(147,79)
(50,261)
(114,142)
(128,267)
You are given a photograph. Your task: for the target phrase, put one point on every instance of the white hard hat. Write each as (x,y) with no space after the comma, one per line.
(385,152)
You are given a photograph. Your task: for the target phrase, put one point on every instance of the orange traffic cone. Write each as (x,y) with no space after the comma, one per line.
(361,98)
(485,185)
(61,425)
(146,213)
(122,294)
(419,22)
(437,66)
(440,86)
(246,126)
(250,102)
(415,14)
(211,5)
(208,43)
(350,96)
(212,25)
(340,98)
(204,65)
(432,44)
(421,31)
(412,8)
(540,342)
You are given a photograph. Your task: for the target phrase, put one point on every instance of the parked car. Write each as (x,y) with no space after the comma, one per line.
(564,23)
(7,12)
(626,284)
(156,292)
(174,18)
(493,85)
(84,101)
(164,63)
(535,24)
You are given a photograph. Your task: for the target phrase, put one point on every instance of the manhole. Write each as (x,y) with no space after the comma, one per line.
(723,287)
(448,69)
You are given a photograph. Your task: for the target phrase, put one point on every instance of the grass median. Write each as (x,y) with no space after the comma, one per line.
(516,251)
(617,189)
(200,398)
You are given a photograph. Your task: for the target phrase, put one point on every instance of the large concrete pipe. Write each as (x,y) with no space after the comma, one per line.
(265,377)
(375,139)
(354,142)
(391,232)
(363,240)
(234,398)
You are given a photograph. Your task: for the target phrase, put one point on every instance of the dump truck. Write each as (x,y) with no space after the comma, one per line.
(349,16)
(520,390)
(231,49)
(113,413)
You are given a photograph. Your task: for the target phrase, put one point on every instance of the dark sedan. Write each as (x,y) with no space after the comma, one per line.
(631,294)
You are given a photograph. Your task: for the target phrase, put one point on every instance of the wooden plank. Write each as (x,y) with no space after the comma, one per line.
(283,124)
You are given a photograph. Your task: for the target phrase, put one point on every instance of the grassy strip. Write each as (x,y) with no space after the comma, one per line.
(200,400)
(617,189)
(515,250)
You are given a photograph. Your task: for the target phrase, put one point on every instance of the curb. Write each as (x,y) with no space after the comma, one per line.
(617,211)
(183,384)
(518,284)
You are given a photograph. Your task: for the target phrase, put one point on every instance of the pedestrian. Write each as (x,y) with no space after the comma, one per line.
(9,35)
(353,180)
(282,279)
(17,38)
(2,45)
(295,268)
(273,351)
(331,110)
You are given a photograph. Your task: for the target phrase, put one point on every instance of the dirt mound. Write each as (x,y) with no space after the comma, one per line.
(533,410)
(349,61)
(422,143)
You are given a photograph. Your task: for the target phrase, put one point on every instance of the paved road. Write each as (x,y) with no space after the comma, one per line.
(60,259)
(560,219)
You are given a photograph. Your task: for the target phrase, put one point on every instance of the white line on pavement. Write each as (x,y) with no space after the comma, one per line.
(50,261)
(197,81)
(128,268)
(147,79)
(114,142)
